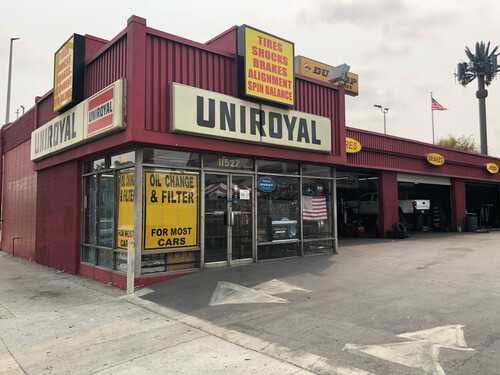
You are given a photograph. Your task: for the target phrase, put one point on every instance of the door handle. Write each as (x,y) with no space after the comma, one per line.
(232,218)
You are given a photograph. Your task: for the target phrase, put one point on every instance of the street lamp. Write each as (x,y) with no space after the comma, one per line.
(8,81)
(384,111)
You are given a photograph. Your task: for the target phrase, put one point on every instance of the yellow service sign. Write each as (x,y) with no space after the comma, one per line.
(63,75)
(352,146)
(268,66)
(126,200)
(170,210)
(314,69)
(492,168)
(434,159)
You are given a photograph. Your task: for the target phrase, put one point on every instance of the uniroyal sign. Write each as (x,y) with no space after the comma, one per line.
(100,111)
(98,115)
(265,67)
(210,114)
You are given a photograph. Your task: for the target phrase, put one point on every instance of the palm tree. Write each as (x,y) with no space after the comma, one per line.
(482,65)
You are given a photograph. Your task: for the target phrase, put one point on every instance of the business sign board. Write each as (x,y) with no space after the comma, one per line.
(434,159)
(210,114)
(265,67)
(317,70)
(105,110)
(492,168)
(61,133)
(352,146)
(69,63)
(126,198)
(96,116)
(170,210)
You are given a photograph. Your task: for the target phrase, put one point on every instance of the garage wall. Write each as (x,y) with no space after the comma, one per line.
(379,151)
(58,217)
(19,202)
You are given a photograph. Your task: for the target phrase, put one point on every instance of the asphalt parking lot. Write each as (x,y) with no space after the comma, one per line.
(424,305)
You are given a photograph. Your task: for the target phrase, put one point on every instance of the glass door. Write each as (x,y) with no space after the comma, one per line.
(228,218)
(216,206)
(241,213)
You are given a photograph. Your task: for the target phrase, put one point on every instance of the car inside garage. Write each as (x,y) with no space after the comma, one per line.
(436,190)
(357,203)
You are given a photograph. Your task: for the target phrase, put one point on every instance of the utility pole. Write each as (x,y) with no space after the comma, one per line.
(7,120)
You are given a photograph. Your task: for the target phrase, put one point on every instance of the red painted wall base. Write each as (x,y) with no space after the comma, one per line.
(120,281)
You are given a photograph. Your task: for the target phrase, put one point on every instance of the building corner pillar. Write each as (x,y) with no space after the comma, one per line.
(458,204)
(388,201)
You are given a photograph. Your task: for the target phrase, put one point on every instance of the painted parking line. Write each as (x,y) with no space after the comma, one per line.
(300,358)
(229,293)
(422,352)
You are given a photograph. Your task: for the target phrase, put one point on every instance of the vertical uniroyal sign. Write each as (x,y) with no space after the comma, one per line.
(69,62)
(265,67)
(104,110)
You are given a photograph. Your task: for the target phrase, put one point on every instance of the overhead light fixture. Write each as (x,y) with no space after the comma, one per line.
(338,73)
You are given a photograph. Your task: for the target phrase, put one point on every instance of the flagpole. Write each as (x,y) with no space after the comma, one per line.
(432,115)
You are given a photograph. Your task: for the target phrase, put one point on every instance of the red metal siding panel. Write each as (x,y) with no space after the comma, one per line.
(44,111)
(58,217)
(406,155)
(106,68)
(19,131)
(321,100)
(170,61)
(19,203)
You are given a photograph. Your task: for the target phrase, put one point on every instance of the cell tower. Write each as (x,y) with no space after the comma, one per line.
(483,66)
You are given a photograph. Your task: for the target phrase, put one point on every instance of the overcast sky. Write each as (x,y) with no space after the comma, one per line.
(402,50)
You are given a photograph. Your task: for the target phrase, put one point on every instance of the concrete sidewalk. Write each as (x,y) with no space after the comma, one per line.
(55,323)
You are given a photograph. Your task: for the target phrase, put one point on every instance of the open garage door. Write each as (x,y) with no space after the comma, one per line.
(433,188)
(357,200)
(483,206)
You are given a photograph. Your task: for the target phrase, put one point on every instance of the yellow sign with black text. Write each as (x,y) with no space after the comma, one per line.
(170,210)
(317,70)
(126,200)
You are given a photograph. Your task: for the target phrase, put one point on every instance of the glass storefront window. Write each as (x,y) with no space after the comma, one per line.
(99,165)
(280,167)
(171,158)
(279,210)
(317,212)
(227,162)
(105,258)
(318,247)
(123,160)
(89,209)
(106,209)
(276,251)
(316,170)
(88,254)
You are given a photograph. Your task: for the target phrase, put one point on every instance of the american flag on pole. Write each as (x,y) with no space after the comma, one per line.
(436,106)
(314,208)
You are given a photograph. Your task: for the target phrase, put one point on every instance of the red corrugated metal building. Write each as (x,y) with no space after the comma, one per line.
(191,199)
